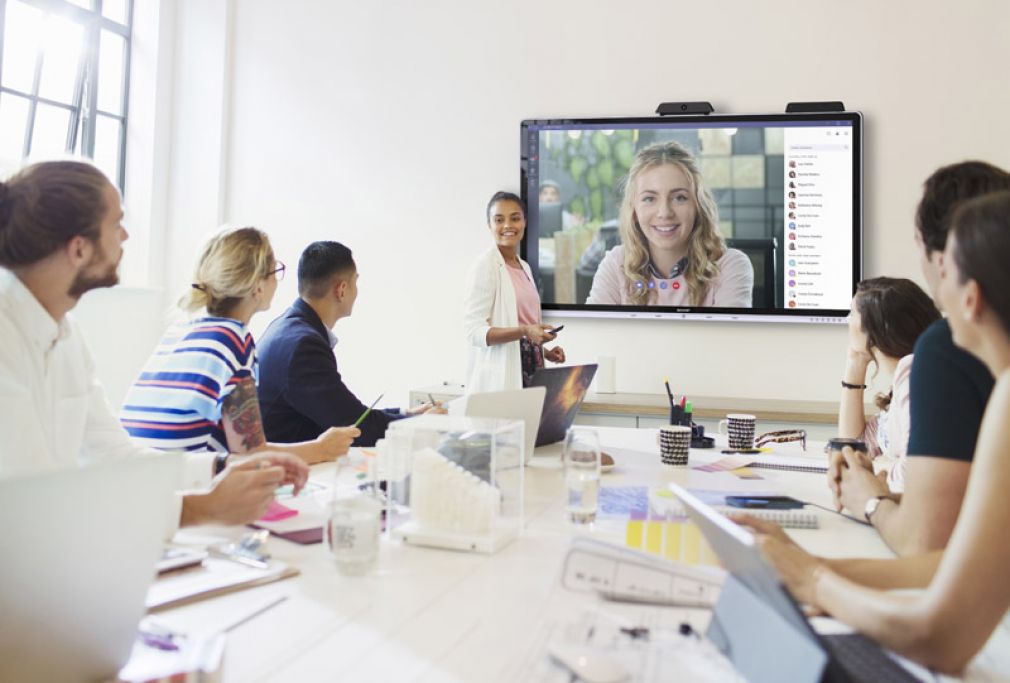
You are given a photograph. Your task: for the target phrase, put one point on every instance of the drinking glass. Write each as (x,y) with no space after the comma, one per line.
(582,473)
(352,532)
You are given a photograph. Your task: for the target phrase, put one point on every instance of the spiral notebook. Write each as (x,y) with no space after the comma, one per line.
(790,463)
(665,502)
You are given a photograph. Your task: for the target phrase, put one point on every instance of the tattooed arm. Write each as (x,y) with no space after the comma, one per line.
(243,428)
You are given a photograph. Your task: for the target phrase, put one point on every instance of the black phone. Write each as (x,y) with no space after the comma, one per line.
(764,502)
(555,330)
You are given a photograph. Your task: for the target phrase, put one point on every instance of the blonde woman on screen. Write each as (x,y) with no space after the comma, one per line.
(960,619)
(671,252)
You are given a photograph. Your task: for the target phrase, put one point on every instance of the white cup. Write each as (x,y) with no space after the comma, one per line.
(674,444)
(740,429)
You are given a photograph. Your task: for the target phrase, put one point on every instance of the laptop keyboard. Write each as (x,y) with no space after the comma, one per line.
(863,660)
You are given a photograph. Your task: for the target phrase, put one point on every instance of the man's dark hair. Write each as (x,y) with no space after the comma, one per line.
(504,197)
(982,242)
(319,263)
(46,205)
(948,187)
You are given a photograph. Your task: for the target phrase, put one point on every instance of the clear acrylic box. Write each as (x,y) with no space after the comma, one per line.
(454,482)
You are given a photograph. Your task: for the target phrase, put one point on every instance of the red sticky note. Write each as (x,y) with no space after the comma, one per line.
(276,512)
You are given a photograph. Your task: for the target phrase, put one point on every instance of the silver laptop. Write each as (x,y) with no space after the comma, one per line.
(79,553)
(517,404)
(760,628)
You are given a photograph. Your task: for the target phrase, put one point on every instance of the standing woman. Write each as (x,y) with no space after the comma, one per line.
(888,315)
(198,391)
(501,316)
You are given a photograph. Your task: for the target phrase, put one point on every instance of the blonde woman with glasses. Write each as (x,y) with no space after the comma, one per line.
(671,252)
(198,391)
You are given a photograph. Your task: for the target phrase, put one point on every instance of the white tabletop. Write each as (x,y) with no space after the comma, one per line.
(438,615)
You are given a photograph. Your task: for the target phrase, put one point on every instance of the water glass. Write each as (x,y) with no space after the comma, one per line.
(352,533)
(582,474)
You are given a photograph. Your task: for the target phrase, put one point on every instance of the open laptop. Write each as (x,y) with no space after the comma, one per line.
(79,553)
(566,388)
(760,628)
(518,404)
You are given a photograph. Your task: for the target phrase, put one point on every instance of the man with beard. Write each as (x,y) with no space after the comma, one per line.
(61,236)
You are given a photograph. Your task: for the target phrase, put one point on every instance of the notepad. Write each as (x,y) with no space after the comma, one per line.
(216,577)
(664,502)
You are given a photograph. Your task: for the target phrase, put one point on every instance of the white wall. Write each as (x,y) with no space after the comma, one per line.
(386,125)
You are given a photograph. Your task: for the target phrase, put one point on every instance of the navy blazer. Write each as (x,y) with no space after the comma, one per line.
(301,393)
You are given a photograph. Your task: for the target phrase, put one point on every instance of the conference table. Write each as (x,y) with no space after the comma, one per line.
(437,615)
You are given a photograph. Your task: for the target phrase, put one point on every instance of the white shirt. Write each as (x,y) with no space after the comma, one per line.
(53,410)
(491,302)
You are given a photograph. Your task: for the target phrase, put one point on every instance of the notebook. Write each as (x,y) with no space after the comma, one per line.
(665,502)
(790,463)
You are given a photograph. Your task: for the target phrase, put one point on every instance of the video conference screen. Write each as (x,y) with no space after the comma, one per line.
(712,217)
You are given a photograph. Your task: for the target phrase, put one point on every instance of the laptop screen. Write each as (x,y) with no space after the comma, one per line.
(566,388)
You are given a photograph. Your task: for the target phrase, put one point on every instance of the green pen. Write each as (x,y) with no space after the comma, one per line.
(367,411)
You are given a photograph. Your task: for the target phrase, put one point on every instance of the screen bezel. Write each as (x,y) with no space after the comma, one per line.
(796,315)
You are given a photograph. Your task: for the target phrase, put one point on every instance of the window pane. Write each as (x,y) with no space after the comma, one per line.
(22,37)
(49,138)
(115,10)
(63,51)
(110,73)
(78,149)
(107,146)
(13,116)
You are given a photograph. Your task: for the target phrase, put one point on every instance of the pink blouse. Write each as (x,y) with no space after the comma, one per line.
(887,433)
(527,299)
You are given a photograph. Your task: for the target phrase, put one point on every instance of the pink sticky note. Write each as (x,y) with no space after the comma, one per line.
(276,512)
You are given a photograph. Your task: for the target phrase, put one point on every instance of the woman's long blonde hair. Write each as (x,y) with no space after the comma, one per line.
(230,266)
(705,245)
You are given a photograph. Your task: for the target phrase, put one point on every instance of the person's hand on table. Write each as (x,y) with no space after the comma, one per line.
(433,408)
(336,441)
(555,354)
(857,483)
(244,490)
(798,569)
(539,333)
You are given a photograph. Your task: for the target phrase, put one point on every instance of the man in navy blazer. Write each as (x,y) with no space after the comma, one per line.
(301,393)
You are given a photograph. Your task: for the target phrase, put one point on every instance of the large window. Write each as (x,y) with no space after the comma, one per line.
(64,73)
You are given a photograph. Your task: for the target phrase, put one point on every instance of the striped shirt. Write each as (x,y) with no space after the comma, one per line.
(175,403)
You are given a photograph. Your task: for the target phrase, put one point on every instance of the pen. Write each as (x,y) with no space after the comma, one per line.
(432,399)
(666,383)
(361,419)
(255,613)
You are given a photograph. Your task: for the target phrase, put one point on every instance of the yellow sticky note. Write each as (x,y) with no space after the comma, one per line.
(691,545)
(633,533)
(672,550)
(654,537)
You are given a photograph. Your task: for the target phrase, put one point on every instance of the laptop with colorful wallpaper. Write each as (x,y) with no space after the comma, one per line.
(566,388)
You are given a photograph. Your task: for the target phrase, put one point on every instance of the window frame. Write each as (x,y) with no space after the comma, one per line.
(84,111)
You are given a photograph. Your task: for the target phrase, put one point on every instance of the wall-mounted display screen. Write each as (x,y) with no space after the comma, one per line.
(707,217)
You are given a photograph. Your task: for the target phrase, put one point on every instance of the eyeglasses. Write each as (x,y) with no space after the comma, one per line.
(279,270)
(782,436)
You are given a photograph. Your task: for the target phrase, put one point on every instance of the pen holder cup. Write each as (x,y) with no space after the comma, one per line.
(679,417)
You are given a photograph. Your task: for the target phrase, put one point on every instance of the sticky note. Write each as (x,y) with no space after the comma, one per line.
(276,512)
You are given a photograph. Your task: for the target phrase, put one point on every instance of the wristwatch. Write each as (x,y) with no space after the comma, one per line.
(871,506)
